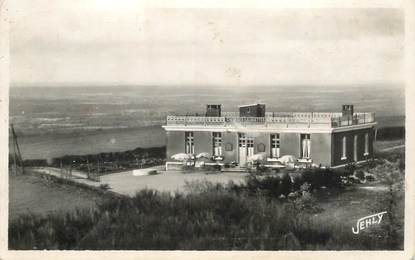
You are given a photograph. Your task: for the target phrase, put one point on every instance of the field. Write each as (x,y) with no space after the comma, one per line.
(32,194)
(152,220)
(59,144)
(253,220)
(55,121)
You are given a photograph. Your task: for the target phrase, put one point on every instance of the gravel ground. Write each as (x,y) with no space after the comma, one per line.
(171,181)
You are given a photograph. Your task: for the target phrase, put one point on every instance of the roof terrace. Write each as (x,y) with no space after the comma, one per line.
(254,116)
(275,119)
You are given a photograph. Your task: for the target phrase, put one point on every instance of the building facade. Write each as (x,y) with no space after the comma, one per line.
(324,139)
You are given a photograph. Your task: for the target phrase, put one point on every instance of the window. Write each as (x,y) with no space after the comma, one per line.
(305,146)
(217,143)
(250,145)
(275,145)
(189,143)
(241,140)
(355,148)
(246,142)
(366,145)
(344,143)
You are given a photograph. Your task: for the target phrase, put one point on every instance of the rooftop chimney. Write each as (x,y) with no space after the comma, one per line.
(213,110)
(254,110)
(347,110)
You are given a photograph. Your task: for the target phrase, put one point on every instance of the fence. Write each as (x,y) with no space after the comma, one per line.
(275,119)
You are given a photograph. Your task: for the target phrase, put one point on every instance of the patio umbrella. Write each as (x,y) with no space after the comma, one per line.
(287,159)
(203,155)
(258,157)
(181,156)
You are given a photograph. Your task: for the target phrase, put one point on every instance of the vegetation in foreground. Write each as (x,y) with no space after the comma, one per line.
(267,213)
(104,163)
(39,195)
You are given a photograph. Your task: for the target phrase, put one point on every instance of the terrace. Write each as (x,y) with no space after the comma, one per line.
(275,119)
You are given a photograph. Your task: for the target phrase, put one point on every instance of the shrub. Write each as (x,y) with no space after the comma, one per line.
(209,217)
(104,186)
(350,168)
(360,174)
(272,186)
(370,177)
(212,168)
(153,172)
(188,168)
(391,133)
(318,177)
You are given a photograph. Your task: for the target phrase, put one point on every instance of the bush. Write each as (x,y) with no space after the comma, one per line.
(104,186)
(391,133)
(153,172)
(209,217)
(318,177)
(370,177)
(212,168)
(271,186)
(350,168)
(108,162)
(215,219)
(360,174)
(188,168)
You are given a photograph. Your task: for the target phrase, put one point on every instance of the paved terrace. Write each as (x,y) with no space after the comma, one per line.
(274,119)
(127,183)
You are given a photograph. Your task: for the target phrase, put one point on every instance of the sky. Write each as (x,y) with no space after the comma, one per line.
(117,42)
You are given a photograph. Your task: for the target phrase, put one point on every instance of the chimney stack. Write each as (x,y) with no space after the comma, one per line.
(347,111)
(213,110)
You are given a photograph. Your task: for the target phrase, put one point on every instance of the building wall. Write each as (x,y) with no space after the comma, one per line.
(338,145)
(175,143)
(326,149)
(262,138)
(232,139)
(203,142)
(321,148)
(290,144)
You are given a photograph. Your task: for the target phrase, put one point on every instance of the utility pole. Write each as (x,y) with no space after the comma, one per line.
(17,156)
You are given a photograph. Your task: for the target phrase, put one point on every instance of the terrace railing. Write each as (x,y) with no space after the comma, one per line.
(286,119)
(356,119)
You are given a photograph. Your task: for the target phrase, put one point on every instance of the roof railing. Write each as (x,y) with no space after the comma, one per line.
(280,118)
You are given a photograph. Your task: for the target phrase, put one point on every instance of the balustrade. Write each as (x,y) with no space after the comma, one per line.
(273,119)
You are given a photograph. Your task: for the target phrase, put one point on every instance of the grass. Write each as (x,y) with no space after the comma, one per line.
(58,144)
(32,194)
(391,133)
(210,217)
(104,163)
(384,144)
(250,216)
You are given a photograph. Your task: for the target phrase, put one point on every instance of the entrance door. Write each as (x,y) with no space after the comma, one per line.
(242,149)
(305,148)
(246,148)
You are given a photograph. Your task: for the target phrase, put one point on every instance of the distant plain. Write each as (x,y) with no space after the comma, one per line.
(54,121)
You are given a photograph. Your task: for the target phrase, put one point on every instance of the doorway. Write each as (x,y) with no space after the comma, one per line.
(246,148)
